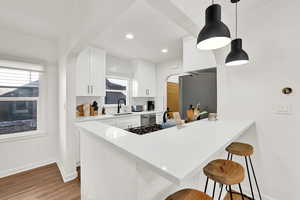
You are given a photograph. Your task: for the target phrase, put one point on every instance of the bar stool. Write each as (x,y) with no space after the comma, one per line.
(224,172)
(245,150)
(189,194)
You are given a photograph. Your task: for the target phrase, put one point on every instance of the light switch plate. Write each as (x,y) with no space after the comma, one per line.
(284,109)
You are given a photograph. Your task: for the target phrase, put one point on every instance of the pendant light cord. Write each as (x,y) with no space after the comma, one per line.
(236,20)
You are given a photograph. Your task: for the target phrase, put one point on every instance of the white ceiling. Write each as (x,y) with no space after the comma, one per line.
(41,18)
(152,30)
(154,27)
(195,10)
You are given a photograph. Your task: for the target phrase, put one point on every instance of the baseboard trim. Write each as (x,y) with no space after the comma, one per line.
(24,168)
(66,176)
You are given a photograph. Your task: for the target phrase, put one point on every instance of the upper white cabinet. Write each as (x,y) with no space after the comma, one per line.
(83,74)
(195,59)
(98,71)
(144,81)
(90,73)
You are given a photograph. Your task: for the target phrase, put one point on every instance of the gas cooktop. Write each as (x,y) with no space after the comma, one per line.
(142,130)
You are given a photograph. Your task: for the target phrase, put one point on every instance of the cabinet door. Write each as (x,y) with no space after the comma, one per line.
(195,59)
(150,81)
(128,122)
(144,84)
(77,147)
(83,74)
(159,118)
(98,61)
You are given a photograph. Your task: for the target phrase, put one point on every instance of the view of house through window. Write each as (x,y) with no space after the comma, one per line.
(19,93)
(116,88)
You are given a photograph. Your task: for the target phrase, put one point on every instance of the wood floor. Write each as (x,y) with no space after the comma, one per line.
(44,183)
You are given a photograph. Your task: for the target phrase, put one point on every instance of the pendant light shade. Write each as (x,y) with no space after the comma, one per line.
(215,34)
(237,55)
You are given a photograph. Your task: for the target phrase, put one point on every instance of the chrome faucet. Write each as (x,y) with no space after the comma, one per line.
(119,103)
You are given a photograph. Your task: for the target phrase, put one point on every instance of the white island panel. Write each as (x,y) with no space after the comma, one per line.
(175,153)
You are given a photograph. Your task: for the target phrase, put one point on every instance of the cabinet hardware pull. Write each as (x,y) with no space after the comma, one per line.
(88,89)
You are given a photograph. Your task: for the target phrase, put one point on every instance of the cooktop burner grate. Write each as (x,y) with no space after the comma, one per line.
(142,130)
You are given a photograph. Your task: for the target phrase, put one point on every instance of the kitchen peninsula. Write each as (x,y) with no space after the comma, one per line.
(116,164)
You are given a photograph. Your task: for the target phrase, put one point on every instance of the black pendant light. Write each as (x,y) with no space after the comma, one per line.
(215,34)
(237,55)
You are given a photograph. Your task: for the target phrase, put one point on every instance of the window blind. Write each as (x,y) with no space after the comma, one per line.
(21,66)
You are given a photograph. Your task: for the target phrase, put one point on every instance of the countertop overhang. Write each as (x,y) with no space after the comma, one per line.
(175,153)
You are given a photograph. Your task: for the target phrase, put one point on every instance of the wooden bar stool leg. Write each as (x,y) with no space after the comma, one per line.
(230,191)
(255,178)
(248,172)
(213,195)
(206,185)
(221,192)
(241,191)
(228,156)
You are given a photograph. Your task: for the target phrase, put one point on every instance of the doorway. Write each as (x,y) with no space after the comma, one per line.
(173,93)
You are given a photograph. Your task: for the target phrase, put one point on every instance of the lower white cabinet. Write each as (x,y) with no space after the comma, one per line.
(159,118)
(124,122)
(77,147)
(128,122)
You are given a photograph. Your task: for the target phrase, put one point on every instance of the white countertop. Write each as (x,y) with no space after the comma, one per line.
(110,116)
(174,153)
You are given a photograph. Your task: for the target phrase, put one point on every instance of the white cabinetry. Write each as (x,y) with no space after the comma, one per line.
(128,122)
(123,122)
(90,73)
(144,81)
(159,118)
(195,59)
(83,74)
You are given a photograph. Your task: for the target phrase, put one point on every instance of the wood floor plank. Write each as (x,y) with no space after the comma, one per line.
(44,183)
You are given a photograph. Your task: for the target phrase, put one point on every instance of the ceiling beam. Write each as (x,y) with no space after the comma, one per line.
(175,14)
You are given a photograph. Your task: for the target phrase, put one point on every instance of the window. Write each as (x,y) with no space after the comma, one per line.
(19,100)
(116,88)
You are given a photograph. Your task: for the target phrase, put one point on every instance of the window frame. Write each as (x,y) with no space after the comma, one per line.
(41,102)
(128,89)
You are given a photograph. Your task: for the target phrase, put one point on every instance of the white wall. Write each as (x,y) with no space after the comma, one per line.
(24,154)
(252,91)
(163,71)
(116,66)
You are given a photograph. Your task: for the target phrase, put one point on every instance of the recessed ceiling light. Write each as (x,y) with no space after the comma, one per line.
(129,36)
(164,50)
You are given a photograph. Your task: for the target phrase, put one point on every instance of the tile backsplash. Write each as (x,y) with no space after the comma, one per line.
(111,109)
(89,100)
(141,100)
